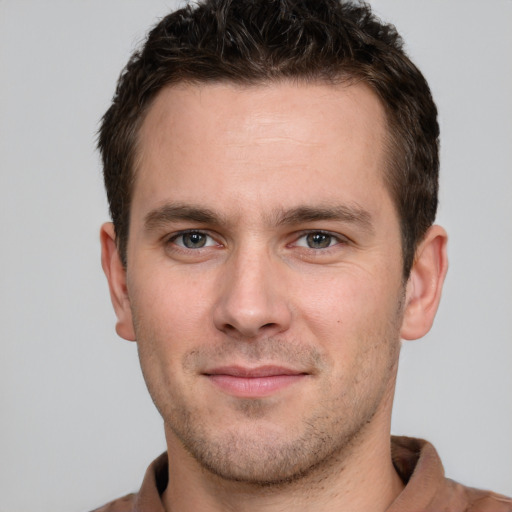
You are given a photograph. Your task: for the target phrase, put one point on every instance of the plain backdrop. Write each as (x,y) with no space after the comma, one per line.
(77,427)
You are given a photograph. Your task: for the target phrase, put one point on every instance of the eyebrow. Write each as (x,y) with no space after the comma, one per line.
(179,212)
(341,213)
(171,212)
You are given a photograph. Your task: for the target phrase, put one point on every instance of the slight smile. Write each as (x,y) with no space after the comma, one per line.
(253,382)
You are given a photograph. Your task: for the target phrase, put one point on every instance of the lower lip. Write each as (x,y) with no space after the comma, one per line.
(254,387)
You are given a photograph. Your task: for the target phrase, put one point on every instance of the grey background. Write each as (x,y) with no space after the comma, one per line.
(77,427)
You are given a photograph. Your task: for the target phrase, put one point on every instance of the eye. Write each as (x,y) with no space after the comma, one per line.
(317,240)
(193,240)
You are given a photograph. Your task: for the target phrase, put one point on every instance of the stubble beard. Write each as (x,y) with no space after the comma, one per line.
(263,457)
(259,458)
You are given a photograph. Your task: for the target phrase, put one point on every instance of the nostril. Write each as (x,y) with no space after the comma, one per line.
(248,332)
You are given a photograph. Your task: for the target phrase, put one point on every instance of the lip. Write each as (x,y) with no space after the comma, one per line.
(256,382)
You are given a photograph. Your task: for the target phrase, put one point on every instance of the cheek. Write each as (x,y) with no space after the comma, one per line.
(168,321)
(339,298)
(170,311)
(348,309)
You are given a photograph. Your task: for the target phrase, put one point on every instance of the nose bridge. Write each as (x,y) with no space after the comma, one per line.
(252,299)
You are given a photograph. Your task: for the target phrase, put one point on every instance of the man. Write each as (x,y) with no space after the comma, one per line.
(272,169)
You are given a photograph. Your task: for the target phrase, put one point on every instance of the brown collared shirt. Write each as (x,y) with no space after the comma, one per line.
(415,460)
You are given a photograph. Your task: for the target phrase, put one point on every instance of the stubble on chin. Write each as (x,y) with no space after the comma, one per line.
(250,450)
(259,458)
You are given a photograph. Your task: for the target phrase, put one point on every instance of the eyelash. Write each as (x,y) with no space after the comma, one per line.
(172,239)
(334,237)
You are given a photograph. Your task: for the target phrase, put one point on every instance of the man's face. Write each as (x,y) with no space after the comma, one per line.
(264,274)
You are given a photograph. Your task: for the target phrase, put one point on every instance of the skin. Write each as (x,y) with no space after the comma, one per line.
(294,262)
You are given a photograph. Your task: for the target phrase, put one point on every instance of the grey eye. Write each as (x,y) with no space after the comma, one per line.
(318,240)
(193,240)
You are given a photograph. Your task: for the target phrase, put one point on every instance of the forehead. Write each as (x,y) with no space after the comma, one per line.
(263,145)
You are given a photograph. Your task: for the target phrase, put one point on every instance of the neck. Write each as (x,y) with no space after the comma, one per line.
(361,478)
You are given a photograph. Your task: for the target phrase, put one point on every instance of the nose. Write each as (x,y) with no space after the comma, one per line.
(252,297)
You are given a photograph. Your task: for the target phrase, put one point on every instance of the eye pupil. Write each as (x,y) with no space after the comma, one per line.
(194,240)
(318,240)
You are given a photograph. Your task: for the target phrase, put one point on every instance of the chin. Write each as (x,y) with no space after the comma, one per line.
(262,455)
(255,462)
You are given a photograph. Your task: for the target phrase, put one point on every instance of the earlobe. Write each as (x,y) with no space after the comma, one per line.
(425,284)
(116,277)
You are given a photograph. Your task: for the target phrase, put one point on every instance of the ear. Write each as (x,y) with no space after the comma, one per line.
(425,284)
(116,277)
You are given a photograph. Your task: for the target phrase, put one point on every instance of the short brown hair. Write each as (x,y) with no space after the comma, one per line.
(256,41)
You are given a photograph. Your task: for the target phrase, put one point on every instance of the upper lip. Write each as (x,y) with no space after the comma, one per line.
(260,371)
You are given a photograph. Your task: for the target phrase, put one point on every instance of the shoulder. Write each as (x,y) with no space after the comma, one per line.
(148,499)
(427,488)
(457,497)
(124,504)
(487,501)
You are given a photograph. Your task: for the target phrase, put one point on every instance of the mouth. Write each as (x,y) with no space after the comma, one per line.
(257,382)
